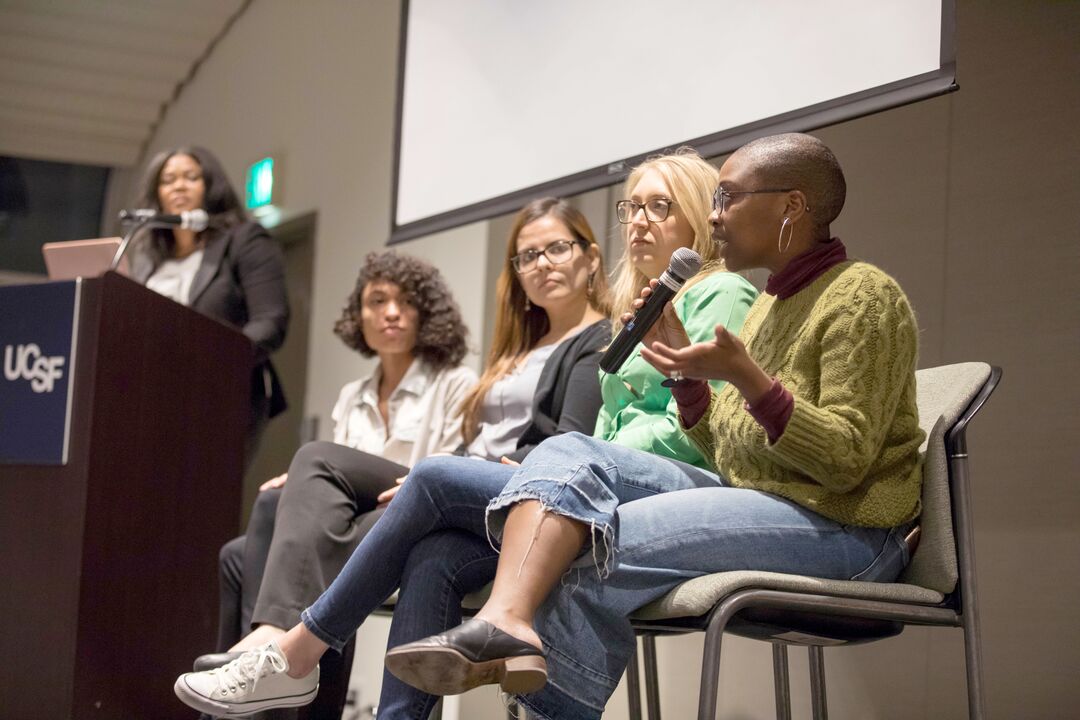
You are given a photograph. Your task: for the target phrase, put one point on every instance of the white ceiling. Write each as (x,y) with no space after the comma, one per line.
(86,81)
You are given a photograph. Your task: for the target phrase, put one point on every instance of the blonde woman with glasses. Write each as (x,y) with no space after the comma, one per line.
(441,556)
(666,206)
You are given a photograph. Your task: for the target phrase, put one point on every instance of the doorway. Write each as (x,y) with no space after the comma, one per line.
(286,432)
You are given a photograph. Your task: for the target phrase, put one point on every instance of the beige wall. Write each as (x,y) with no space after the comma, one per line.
(970,200)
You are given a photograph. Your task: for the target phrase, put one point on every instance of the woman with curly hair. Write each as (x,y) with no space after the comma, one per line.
(406,409)
(813,469)
(540,380)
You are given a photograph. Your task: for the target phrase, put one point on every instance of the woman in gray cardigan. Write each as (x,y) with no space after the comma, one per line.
(540,380)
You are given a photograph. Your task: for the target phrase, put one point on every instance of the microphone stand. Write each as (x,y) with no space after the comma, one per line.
(135,227)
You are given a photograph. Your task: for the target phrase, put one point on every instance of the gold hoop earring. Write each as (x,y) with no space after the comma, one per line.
(780,239)
(589,287)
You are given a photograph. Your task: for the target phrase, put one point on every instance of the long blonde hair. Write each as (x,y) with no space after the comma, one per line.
(519,325)
(691,182)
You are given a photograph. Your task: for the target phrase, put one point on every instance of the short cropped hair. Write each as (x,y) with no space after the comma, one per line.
(441,335)
(804,163)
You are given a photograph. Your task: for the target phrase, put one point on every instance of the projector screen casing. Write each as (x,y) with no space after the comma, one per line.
(455,180)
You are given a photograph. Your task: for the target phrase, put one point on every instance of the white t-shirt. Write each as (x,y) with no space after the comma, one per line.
(173,277)
(424,411)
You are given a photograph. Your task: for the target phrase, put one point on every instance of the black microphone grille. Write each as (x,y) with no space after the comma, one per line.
(684,263)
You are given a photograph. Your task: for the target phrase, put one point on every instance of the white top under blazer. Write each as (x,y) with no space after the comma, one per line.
(424,409)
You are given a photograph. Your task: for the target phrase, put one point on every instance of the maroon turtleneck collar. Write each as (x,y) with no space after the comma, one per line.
(806,268)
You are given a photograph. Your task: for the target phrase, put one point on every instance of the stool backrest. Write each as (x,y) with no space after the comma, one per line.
(943,395)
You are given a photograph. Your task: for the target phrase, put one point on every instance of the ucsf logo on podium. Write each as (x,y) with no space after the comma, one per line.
(27,362)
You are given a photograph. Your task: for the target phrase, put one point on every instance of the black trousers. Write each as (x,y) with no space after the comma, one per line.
(299,537)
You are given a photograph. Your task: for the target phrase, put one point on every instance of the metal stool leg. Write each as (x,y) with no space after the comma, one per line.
(817,683)
(781,682)
(633,685)
(652,680)
(515,711)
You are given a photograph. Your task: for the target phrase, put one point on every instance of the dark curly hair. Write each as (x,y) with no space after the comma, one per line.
(440,339)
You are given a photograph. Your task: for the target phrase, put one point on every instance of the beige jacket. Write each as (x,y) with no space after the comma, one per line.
(425,416)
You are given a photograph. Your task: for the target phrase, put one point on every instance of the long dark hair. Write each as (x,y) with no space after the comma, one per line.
(219,199)
(518,324)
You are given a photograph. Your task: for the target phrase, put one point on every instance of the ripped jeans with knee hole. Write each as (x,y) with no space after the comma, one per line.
(655,523)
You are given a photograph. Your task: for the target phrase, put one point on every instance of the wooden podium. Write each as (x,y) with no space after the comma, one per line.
(108,563)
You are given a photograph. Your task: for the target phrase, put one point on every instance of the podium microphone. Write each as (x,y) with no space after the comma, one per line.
(684,264)
(196,220)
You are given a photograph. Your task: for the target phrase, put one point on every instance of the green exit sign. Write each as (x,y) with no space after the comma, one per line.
(260,184)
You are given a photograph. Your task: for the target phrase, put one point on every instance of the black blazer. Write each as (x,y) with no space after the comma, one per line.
(241,281)
(568,393)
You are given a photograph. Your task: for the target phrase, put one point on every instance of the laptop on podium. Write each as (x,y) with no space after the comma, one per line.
(81,258)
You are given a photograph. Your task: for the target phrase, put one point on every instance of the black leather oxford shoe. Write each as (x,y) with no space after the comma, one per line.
(472,654)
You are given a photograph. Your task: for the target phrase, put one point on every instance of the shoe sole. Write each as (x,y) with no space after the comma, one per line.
(445,671)
(220,709)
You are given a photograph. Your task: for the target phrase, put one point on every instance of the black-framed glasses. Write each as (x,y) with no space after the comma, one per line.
(556,253)
(656,210)
(719,201)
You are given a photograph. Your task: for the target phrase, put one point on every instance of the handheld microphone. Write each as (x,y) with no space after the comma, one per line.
(684,264)
(196,220)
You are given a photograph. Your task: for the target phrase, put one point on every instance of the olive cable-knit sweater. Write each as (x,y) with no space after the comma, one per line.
(845,346)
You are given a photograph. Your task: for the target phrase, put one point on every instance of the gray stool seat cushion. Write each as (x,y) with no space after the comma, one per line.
(698,596)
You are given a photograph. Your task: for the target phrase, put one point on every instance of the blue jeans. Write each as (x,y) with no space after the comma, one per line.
(441,570)
(442,493)
(430,542)
(655,523)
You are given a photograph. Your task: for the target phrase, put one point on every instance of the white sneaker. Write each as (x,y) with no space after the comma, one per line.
(257,680)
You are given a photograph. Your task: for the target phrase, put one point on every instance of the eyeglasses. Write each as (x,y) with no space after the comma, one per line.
(556,253)
(656,210)
(718,201)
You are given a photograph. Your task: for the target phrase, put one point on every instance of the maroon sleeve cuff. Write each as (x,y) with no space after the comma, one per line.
(772,410)
(692,397)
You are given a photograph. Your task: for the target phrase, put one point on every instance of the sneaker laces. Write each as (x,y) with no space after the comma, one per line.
(249,666)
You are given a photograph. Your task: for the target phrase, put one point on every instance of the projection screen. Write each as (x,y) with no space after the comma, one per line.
(500,101)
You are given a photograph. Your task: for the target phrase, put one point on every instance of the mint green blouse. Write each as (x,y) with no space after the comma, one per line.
(640,413)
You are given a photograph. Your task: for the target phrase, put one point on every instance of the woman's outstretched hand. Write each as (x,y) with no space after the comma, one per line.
(723,358)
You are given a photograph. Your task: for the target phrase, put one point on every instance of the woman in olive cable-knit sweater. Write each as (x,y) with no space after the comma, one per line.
(814,446)
(814,442)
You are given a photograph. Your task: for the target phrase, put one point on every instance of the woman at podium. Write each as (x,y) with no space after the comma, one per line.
(232,271)
(540,379)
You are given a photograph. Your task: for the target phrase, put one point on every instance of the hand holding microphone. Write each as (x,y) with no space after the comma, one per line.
(684,264)
(668,328)
(722,357)
(669,349)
